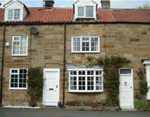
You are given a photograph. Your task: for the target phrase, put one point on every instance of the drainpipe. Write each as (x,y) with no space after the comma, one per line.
(64,65)
(2,65)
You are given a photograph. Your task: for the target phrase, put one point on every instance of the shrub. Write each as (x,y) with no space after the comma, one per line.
(142,105)
(85,103)
(143,87)
(111,75)
(77,103)
(35,84)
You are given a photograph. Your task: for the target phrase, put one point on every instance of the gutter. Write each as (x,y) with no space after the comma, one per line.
(70,23)
(64,65)
(2,65)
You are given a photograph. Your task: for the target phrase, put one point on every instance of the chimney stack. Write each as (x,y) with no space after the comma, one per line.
(105,4)
(48,4)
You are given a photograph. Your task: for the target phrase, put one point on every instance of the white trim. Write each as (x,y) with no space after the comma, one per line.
(13,15)
(132,87)
(19,46)
(18,79)
(51,69)
(98,51)
(84,16)
(94,80)
(12,3)
(148,81)
(146,62)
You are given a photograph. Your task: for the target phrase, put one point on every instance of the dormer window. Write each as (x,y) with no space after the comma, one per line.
(15,11)
(14,14)
(86,11)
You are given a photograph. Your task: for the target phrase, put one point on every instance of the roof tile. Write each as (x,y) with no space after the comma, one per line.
(66,15)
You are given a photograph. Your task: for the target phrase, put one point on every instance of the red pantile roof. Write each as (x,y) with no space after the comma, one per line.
(1,15)
(66,15)
(132,15)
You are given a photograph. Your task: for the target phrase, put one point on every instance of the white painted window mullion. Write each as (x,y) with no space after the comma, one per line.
(18,77)
(94,81)
(77,81)
(90,44)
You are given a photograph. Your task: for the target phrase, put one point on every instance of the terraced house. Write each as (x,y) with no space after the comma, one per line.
(60,40)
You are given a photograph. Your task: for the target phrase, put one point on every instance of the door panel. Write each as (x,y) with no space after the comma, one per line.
(148,80)
(126,89)
(51,87)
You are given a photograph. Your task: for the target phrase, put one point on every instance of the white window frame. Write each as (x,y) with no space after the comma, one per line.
(77,85)
(19,46)
(13,14)
(12,88)
(85,11)
(98,51)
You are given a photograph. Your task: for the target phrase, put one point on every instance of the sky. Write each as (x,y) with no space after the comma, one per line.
(125,4)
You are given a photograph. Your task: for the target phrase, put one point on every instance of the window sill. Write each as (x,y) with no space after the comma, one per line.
(86,52)
(85,91)
(18,89)
(19,55)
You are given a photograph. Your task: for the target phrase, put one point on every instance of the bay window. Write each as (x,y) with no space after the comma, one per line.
(86,80)
(85,44)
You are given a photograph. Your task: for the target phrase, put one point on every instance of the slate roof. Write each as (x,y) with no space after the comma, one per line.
(58,15)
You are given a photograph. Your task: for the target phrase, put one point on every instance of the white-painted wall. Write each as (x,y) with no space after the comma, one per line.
(24,13)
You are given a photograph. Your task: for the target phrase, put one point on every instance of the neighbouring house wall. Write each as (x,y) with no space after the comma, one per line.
(126,40)
(46,47)
(1,44)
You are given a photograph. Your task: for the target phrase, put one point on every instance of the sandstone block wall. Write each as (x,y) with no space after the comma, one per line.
(46,50)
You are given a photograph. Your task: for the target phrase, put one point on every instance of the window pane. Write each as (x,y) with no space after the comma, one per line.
(125,71)
(73,73)
(94,44)
(90,72)
(98,72)
(22,78)
(76,44)
(73,83)
(90,83)
(81,73)
(98,83)
(80,11)
(89,11)
(10,14)
(17,14)
(81,83)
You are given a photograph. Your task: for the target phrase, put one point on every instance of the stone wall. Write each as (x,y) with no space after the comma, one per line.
(46,50)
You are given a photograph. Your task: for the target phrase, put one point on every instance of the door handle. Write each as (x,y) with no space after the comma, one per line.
(131,87)
(56,86)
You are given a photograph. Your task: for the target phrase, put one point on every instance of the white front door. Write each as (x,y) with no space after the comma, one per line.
(126,88)
(148,80)
(51,87)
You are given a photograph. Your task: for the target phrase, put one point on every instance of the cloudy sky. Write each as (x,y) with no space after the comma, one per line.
(68,3)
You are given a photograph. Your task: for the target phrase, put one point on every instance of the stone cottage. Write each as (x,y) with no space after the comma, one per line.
(60,39)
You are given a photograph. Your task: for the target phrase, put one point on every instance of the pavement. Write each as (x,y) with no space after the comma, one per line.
(11,112)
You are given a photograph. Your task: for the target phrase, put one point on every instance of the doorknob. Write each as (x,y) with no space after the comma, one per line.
(56,86)
(131,87)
